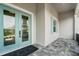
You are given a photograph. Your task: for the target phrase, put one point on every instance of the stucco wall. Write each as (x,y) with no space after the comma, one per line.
(43,24)
(66,25)
(40,24)
(50,11)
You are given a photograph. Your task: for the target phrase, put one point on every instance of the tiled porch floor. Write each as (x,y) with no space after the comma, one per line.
(60,47)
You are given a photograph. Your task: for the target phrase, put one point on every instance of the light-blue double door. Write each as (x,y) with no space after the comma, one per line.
(15,29)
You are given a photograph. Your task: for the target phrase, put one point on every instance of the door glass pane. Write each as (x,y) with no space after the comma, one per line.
(9,27)
(25,25)
(54,25)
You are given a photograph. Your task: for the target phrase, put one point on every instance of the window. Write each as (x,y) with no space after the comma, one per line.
(9,27)
(54,25)
(53,21)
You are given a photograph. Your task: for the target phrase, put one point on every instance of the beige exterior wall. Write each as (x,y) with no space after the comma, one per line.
(40,24)
(66,25)
(50,11)
(43,24)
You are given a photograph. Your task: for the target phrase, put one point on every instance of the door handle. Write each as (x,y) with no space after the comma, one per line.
(19,33)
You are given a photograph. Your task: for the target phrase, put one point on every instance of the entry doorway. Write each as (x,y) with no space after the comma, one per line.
(15,29)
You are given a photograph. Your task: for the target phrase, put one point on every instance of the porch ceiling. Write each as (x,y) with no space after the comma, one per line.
(63,7)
